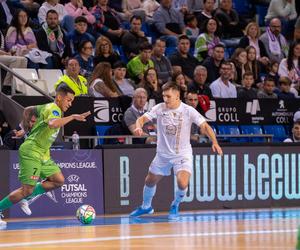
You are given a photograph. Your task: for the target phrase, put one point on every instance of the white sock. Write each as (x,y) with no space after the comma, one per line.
(148,194)
(179,195)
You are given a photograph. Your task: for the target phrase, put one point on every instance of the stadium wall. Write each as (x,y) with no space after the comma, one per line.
(111,179)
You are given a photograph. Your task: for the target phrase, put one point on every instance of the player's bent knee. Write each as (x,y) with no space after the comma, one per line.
(27,190)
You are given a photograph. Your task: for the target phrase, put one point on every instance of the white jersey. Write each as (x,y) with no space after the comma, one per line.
(174,128)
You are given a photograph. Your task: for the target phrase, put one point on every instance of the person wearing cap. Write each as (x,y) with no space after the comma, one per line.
(295,133)
(79,34)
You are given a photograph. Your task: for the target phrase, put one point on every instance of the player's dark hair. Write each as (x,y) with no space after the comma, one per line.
(64,89)
(171,85)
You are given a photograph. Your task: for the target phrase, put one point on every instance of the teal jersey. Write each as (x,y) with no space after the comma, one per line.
(42,136)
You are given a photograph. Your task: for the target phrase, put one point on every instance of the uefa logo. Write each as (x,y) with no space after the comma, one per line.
(73,178)
(101,110)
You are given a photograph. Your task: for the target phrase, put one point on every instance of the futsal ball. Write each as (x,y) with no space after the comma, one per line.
(86,214)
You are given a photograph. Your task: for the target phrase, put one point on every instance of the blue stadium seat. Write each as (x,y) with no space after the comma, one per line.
(252,130)
(261,12)
(231,130)
(242,7)
(100,131)
(277,130)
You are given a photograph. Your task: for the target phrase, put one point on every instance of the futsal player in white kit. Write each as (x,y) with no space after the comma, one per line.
(174,120)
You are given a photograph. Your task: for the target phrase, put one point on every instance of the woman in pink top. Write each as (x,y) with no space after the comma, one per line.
(76,8)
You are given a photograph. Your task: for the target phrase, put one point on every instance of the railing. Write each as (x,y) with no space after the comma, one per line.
(2,66)
(128,138)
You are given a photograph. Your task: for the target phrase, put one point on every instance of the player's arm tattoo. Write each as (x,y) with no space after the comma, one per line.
(27,115)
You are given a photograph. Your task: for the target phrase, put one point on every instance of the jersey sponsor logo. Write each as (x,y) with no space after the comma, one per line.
(55,113)
(34,177)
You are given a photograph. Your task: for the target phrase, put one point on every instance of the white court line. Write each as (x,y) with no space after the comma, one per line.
(49,242)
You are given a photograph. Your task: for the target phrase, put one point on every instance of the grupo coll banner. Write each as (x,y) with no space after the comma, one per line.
(82,170)
(245,177)
(222,111)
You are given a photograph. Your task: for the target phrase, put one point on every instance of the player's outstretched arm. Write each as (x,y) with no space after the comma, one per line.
(208,131)
(138,131)
(59,122)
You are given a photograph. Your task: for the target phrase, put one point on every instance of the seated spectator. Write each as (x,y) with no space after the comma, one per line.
(183,59)
(272,71)
(75,8)
(20,38)
(161,63)
(105,52)
(10,61)
(85,58)
(239,58)
(290,66)
(125,85)
(199,84)
(51,38)
(150,84)
(191,26)
(179,79)
(72,78)
(136,110)
(150,6)
(101,83)
(139,64)
(268,89)
(246,91)
(133,8)
(206,41)
(222,87)
(206,13)
(79,34)
(297,29)
(251,38)
(285,10)
(275,43)
(108,23)
(66,21)
(14,138)
(253,65)
(229,22)
(115,4)
(4,127)
(213,63)
(295,133)
(191,99)
(31,7)
(132,40)
(169,23)
(284,91)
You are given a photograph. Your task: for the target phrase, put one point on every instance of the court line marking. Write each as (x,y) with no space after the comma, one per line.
(49,242)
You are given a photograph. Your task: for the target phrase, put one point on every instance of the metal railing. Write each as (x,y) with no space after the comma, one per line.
(26,81)
(128,138)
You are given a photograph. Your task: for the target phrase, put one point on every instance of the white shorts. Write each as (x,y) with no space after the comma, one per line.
(162,165)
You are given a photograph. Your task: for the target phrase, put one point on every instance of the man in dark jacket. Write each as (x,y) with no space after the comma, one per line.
(51,38)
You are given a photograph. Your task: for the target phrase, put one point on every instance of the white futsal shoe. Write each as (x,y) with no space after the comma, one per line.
(25,207)
(2,222)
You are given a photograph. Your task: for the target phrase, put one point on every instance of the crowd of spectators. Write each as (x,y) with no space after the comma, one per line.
(111,48)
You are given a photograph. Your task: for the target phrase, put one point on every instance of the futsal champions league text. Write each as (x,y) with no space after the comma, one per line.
(268,176)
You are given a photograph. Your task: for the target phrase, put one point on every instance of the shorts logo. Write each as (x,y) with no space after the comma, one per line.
(55,113)
(34,177)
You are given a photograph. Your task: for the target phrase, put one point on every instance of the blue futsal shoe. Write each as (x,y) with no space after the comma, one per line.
(173,213)
(141,211)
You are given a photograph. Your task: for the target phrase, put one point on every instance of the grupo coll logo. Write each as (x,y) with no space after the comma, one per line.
(101,111)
